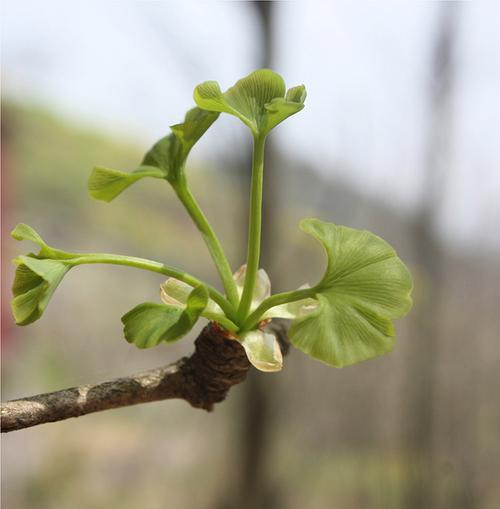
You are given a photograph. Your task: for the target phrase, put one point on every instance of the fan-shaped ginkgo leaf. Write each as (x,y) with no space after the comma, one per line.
(148,324)
(259,100)
(106,184)
(364,288)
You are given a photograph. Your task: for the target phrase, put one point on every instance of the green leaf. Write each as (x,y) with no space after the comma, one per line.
(196,123)
(34,283)
(364,288)
(165,160)
(37,276)
(195,305)
(258,100)
(24,232)
(106,184)
(176,293)
(169,154)
(280,109)
(149,324)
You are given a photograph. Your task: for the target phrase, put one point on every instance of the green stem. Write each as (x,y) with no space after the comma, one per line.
(211,240)
(255,224)
(275,300)
(142,263)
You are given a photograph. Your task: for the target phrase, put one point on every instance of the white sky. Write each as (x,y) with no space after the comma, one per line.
(130,67)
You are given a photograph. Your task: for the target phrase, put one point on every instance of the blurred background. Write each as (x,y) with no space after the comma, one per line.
(399,135)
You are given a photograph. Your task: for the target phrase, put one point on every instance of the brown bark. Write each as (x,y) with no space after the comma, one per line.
(202,380)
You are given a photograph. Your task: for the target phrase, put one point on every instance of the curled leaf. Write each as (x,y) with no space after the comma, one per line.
(364,288)
(176,293)
(292,310)
(34,283)
(24,232)
(280,109)
(263,350)
(149,324)
(37,276)
(196,123)
(258,100)
(262,289)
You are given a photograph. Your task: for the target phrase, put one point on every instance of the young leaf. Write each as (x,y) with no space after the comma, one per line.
(106,184)
(148,324)
(280,109)
(364,288)
(262,289)
(34,283)
(165,160)
(263,350)
(37,276)
(258,100)
(196,123)
(292,310)
(24,232)
(176,293)
(170,153)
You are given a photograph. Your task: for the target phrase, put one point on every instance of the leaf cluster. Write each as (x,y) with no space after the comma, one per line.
(345,318)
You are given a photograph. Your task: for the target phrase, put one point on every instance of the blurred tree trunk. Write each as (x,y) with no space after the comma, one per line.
(421,387)
(252,486)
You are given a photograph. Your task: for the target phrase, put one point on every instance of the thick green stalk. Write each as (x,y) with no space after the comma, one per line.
(142,263)
(255,224)
(211,240)
(275,300)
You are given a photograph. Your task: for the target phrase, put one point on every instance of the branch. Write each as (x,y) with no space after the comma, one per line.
(202,380)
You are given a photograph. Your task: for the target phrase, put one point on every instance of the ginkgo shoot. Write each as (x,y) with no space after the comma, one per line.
(345,318)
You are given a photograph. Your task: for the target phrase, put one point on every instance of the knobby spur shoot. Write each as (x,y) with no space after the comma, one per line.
(345,318)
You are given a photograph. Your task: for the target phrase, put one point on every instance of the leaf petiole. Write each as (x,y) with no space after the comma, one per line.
(255,224)
(210,238)
(160,268)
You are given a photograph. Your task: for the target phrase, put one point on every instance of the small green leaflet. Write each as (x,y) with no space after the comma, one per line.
(106,184)
(258,100)
(37,276)
(149,324)
(24,232)
(34,283)
(165,160)
(364,288)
